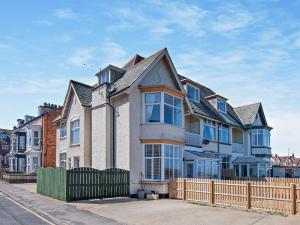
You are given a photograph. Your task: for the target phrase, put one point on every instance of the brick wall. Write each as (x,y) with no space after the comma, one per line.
(49,138)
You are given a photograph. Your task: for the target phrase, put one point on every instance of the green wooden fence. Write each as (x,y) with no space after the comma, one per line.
(82,183)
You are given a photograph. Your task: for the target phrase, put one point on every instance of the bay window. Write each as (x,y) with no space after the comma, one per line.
(209,130)
(260,138)
(162,107)
(162,161)
(224,134)
(193,93)
(75,132)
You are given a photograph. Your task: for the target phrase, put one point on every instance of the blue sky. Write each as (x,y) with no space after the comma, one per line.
(248,51)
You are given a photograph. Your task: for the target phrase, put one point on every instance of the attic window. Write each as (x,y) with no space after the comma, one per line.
(221,105)
(104,78)
(193,93)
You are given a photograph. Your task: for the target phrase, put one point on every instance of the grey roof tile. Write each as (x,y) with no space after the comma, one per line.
(84,92)
(247,113)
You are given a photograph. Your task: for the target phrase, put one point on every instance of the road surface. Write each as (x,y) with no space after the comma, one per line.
(11,213)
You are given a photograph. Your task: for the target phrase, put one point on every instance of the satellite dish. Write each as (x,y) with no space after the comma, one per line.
(111,88)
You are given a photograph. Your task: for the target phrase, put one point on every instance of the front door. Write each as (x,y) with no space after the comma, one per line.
(190,169)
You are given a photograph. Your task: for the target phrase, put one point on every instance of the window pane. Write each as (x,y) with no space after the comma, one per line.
(167,151)
(168,114)
(157,168)
(191,92)
(168,99)
(153,113)
(178,117)
(167,168)
(177,102)
(157,151)
(152,98)
(148,150)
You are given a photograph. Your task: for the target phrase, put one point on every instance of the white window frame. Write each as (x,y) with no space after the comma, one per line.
(72,130)
(225,105)
(35,166)
(162,158)
(222,128)
(196,97)
(263,132)
(61,134)
(212,125)
(104,77)
(162,111)
(61,161)
(36,138)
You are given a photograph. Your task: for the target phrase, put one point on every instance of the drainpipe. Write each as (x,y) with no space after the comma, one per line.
(218,133)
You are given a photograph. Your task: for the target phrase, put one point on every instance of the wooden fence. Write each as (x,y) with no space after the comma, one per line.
(249,194)
(82,183)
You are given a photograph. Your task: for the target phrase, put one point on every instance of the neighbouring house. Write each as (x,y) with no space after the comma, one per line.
(33,141)
(146,118)
(4,147)
(285,166)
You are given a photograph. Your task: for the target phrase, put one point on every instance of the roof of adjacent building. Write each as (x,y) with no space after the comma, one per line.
(83,91)
(289,160)
(247,113)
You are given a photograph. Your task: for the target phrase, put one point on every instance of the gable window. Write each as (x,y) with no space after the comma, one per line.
(36,138)
(104,78)
(193,93)
(75,132)
(224,134)
(172,110)
(209,130)
(63,130)
(162,107)
(260,138)
(221,105)
(152,107)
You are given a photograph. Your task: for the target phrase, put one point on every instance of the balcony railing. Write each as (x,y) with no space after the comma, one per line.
(238,148)
(193,139)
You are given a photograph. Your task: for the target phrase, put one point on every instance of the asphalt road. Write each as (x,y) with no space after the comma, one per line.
(13,214)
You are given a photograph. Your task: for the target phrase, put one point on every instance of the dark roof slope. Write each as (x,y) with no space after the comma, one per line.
(6,131)
(134,60)
(84,92)
(247,113)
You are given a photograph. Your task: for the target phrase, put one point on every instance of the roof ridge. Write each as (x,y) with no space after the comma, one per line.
(80,83)
(256,103)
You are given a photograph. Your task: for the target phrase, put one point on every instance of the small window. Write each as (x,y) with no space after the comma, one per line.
(209,130)
(193,93)
(75,132)
(104,78)
(221,105)
(76,162)
(152,107)
(63,130)
(63,160)
(224,134)
(36,138)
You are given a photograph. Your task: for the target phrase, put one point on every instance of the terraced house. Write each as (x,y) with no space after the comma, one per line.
(146,118)
(4,147)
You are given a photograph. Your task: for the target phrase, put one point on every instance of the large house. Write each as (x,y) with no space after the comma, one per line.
(146,118)
(4,147)
(33,141)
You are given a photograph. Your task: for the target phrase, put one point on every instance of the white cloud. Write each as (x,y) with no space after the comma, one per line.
(114,53)
(80,57)
(65,13)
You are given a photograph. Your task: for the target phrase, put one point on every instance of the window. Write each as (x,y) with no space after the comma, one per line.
(35,164)
(260,138)
(209,130)
(172,110)
(166,108)
(152,107)
(221,105)
(63,160)
(63,130)
(208,169)
(161,165)
(193,92)
(3,136)
(29,138)
(224,134)
(22,142)
(153,161)
(28,165)
(76,162)
(226,162)
(173,161)
(104,78)
(36,138)
(75,132)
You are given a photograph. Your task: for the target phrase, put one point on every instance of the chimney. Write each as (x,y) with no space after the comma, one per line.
(28,118)
(20,122)
(45,108)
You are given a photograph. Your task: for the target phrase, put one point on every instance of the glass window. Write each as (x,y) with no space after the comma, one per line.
(173,110)
(104,78)
(173,161)
(35,164)
(209,130)
(22,142)
(221,105)
(63,160)
(63,130)
(260,138)
(224,134)
(152,159)
(200,168)
(192,92)
(36,138)
(76,162)
(226,162)
(75,132)
(152,107)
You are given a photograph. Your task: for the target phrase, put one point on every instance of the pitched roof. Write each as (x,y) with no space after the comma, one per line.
(6,131)
(247,113)
(135,71)
(83,91)
(134,60)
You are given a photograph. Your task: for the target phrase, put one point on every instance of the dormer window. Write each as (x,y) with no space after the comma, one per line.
(193,92)
(221,105)
(104,78)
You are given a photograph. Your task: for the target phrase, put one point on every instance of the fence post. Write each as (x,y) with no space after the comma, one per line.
(212,192)
(248,192)
(184,189)
(293,199)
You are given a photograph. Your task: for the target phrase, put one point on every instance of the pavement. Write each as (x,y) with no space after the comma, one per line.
(137,212)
